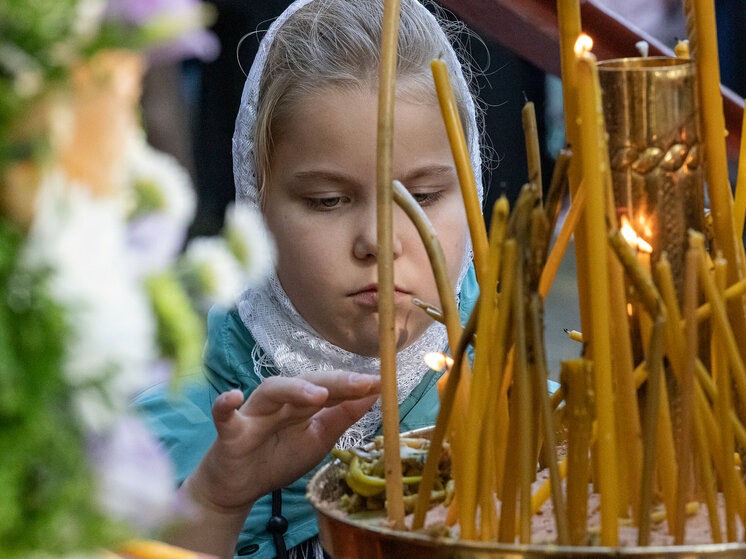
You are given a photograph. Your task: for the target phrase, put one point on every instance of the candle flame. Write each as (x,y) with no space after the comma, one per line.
(633,239)
(583,45)
(437,361)
(630,309)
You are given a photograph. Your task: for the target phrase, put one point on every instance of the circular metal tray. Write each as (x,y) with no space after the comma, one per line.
(343,538)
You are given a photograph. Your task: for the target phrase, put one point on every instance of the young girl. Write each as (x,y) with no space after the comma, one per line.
(305,153)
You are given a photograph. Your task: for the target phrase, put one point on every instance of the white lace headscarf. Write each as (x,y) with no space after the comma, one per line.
(285,343)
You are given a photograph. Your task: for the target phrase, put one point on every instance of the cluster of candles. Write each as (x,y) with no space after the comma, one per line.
(487,409)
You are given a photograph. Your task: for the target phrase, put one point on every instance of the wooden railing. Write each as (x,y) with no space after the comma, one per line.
(529,28)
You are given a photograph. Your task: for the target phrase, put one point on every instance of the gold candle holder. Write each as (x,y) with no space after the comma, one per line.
(651,117)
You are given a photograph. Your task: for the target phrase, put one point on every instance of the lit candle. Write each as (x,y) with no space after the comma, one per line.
(461,158)
(568,16)
(386,309)
(589,109)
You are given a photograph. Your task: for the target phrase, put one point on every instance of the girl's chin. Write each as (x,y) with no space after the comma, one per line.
(369,346)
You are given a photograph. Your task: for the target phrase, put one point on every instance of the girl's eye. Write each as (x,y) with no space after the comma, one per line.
(427,198)
(328,203)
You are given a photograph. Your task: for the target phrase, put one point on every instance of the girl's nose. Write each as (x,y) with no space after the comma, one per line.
(365,245)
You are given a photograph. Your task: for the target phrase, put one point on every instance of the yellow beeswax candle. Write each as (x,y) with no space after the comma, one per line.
(723,404)
(531,136)
(462,160)
(387,326)
(589,110)
(681,50)
(716,169)
(563,240)
(739,209)
(568,16)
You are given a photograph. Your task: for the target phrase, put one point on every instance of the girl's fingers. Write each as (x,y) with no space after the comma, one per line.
(332,422)
(225,406)
(345,385)
(275,392)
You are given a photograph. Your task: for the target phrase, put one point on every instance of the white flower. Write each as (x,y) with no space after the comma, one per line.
(250,242)
(160,171)
(216,271)
(162,199)
(81,240)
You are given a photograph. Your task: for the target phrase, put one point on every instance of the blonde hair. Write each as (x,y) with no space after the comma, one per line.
(336,43)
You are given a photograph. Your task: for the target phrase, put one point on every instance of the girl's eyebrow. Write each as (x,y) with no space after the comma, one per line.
(337,177)
(428,171)
(314,175)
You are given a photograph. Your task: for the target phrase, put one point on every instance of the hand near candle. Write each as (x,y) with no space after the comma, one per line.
(284,429)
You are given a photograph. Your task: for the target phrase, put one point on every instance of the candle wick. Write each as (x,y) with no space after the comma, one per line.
(525,97)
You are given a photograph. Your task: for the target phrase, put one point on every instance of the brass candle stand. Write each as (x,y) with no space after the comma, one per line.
(654,148)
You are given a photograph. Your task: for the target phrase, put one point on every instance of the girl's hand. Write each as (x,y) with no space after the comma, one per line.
(283,430)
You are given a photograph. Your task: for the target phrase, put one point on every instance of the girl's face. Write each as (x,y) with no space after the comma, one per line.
(320,204)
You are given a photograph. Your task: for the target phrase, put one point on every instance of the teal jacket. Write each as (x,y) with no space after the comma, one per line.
(183,421)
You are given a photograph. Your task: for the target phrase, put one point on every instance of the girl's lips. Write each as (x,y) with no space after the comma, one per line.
(368,296)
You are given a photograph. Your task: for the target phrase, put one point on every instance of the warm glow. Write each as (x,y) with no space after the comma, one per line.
(630,309)
(583,44)
(633,239)
(436,361)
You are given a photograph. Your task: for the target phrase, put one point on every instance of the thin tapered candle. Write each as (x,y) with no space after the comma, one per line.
(595,222)
(557,188)
(441,425)
(705,51)
(563,240)
(736,290)
(686,396)
(542,395)
(568,19)
(531,137)
(501,361)
(386,309)
(522,386)
(649,429)
(723,407)
(480,392)
(461,158)
(739,209)
(575,378)
(721,318)
(706,479)
(449,312)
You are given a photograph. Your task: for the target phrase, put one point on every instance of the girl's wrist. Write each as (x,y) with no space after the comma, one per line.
(200,495)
